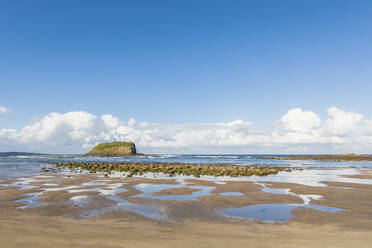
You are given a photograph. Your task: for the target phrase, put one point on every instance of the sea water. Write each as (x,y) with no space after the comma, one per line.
(19,166)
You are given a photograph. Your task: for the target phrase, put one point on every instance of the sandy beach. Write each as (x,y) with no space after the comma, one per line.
(83,211)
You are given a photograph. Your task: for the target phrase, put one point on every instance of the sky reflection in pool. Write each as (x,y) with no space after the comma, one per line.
(95,183)
(276,191)
(283,191)
(148,190)
(232,194)
(30,200)
(271,212)
(80,200)
(149,211)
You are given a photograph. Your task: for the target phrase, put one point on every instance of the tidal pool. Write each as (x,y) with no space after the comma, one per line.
(283,191)
(276,191)
(148,190)
(30,200)
(232,194)
(95,183)
(149,211)
(271,212)
(80,200)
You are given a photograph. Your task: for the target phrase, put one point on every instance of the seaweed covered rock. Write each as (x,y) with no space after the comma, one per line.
(113,149)
(173,169)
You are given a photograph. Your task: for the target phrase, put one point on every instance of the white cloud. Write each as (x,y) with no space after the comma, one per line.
(299,132)
(54,131)
(368,127)
(300,121)
(110,121)
(4,110)
(341,123)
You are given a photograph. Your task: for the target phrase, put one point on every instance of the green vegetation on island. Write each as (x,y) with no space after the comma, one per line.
(113,149)
(173,169)
(329,157)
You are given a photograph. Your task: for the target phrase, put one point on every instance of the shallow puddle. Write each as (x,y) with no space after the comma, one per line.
(284,191)
(108,190)
(25,183)
(80,200)
(95,183)
(148,189)
(112,189)
(276,191)
(271,212)
(261,212)
(30,200)
(232,194)
(149,211)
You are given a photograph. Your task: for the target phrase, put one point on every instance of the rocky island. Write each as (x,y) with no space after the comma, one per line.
(113,149)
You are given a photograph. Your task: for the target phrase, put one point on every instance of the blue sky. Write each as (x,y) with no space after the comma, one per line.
(184,62)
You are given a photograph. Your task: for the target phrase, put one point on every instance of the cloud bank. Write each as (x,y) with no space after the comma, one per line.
(298,131)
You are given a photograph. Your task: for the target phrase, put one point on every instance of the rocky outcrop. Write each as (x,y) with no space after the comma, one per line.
(113,149)
(173,169)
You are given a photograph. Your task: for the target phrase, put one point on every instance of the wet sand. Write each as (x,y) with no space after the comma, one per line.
(62,222)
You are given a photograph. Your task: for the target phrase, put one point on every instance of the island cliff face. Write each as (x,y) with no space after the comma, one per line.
(113,149)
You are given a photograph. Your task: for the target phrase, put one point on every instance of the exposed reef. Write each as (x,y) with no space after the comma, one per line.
(113,149)
(173,169)
(14,154)
(334,157)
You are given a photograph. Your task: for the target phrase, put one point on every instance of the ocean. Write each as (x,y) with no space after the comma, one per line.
(30,165)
